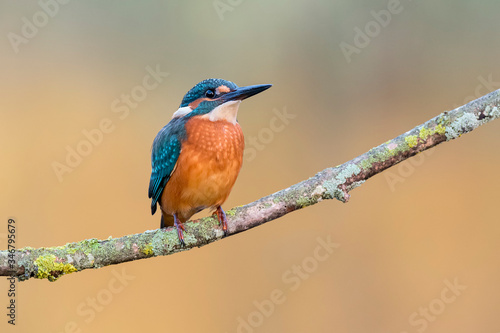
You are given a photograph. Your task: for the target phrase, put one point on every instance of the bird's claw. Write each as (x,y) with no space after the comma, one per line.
(180,228)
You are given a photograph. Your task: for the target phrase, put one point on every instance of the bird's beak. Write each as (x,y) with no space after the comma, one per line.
(241,93)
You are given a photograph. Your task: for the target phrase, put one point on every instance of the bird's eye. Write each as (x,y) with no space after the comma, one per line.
(210,93)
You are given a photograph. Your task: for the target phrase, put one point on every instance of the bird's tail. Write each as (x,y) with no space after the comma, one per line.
(166,220)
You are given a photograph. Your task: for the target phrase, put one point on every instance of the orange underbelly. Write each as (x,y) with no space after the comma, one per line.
(207,168)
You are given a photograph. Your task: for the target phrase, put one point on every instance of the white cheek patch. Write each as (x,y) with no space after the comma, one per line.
(227,111)
(181,112)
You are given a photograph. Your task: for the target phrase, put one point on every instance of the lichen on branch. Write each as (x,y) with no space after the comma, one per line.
(53,262)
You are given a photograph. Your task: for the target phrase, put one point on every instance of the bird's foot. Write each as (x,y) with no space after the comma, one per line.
(221,216)
(180,228)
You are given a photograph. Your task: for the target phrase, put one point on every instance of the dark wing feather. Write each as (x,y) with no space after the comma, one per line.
(165,152)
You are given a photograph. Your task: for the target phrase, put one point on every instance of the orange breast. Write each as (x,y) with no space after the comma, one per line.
(207,168)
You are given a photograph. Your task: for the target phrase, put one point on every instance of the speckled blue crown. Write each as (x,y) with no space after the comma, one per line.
(198,90)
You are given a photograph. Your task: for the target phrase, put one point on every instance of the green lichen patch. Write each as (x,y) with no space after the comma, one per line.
(332,185)
(69,248)
(231,212)
(49,268)
(462,125)
(349,171)
(411,141)
(266,205)
(427,132)
(367,163)
(424,133)
(97,251)
(206,229)
(304,202)
(165,241)
(148,249)
(440,129)
(89,245)
(332,190)
(189,239)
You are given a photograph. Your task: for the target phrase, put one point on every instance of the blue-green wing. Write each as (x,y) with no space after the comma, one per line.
(165,152)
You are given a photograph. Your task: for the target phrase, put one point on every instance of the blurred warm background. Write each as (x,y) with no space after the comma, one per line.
(406,236)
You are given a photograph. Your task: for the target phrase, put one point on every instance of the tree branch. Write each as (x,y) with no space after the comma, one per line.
(337,182)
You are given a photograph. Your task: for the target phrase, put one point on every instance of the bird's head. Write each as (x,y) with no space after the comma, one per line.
(216,99)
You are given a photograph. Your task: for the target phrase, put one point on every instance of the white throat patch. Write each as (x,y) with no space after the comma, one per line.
(227,111)
(181,112)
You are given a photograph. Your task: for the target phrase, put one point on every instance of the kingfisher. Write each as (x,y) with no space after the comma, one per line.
(197,156)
